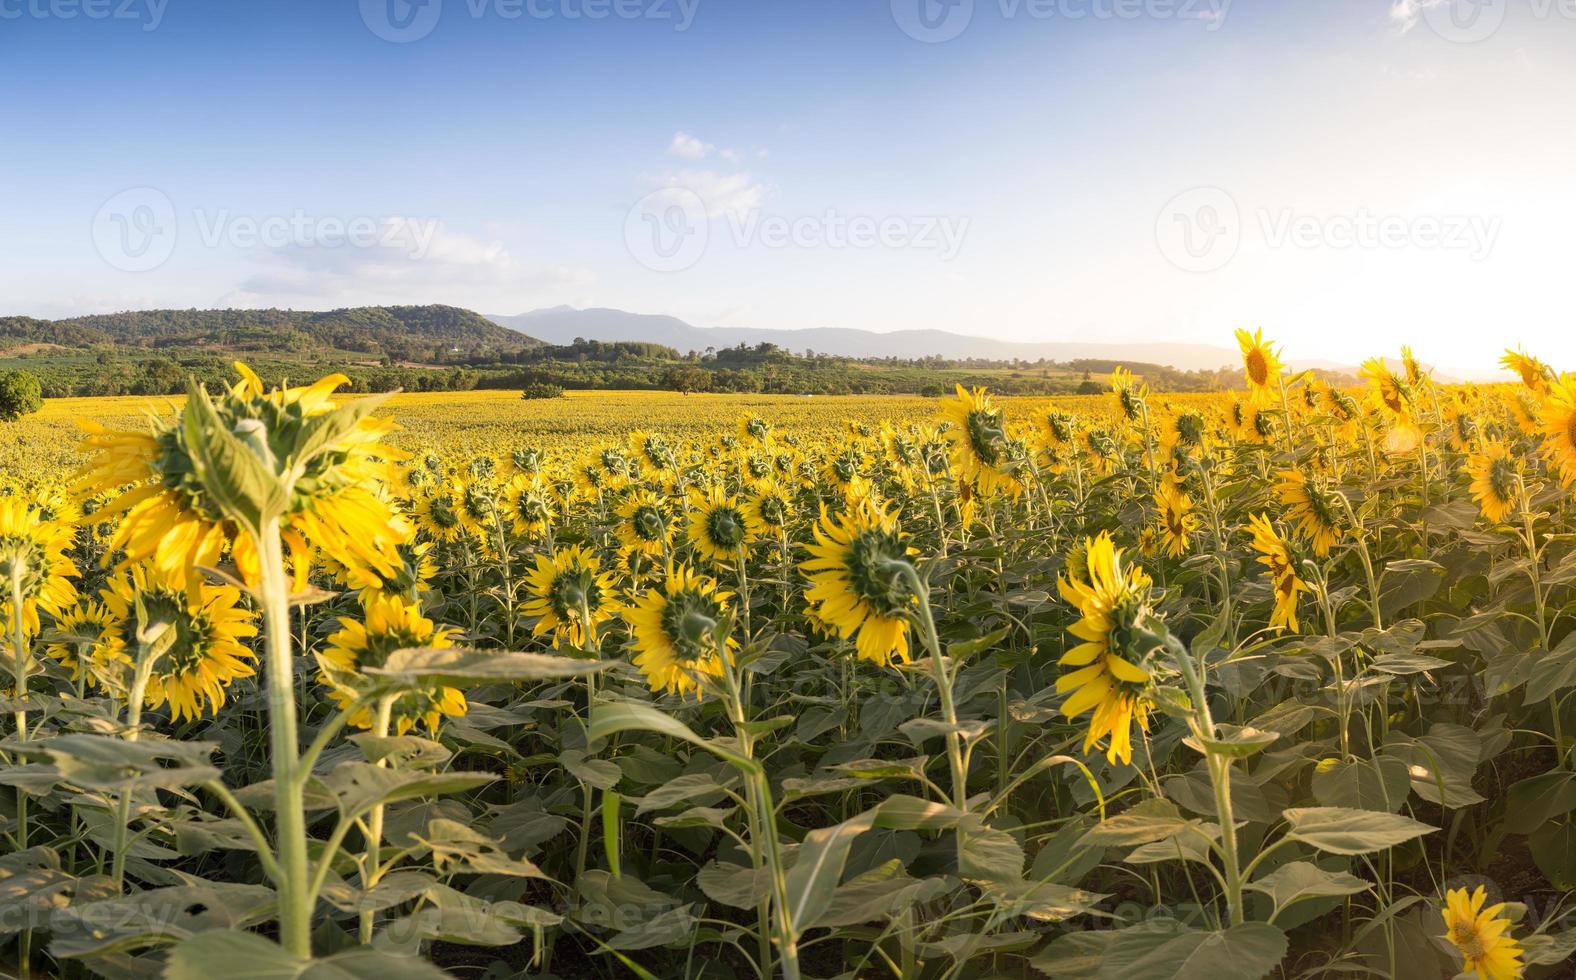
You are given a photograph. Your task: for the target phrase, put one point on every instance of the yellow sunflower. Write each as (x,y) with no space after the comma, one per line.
(207,651)
(33,551)
(1534,373)
(171,516)
(768,507)
(1129,393)
(390,623)
(854,586)
(438,516)
(1481,936)
(1493,470)
(528,505)
(719,529)
(1260,364)
(978,436)
(644,525)
(672,630)
(1558,419)
(1312,507)
(1111,601)
(1177,520)
(1396,401)
(563,590)
(87,640)
(1276,556)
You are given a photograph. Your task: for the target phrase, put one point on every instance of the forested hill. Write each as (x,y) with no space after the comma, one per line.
(397,333)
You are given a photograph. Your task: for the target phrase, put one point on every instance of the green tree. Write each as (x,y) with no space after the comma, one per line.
(20,394)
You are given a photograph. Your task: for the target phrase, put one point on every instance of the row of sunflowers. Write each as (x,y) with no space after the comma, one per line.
(1267,683)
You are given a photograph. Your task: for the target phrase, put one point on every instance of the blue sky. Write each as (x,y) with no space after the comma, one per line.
(1349,174)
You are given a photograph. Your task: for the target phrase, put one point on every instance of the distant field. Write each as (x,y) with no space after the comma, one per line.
(491,418)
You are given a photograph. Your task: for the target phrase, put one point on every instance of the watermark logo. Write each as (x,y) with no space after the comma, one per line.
(933,21)
(148,13)
(936,21)
(401,21)
(1199,230)
(1464,21)
(404,21)
(136,230)
(668,230)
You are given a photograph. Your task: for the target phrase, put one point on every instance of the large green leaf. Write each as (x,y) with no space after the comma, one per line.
(1339,830)
(818,867)
(460,666)
(244,956)
(1244,952)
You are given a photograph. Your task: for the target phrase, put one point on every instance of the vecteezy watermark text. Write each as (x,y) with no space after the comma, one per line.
(148,13)
(403,21)
(137,230)
(1201,230)
(670,230)
(935,21)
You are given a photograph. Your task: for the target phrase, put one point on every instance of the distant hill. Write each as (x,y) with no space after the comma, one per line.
(562,324)
(399,332)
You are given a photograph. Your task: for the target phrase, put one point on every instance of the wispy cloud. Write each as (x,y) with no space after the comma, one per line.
(413,261)
(689,147)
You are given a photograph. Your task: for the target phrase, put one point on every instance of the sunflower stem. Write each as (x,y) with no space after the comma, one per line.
(295,913)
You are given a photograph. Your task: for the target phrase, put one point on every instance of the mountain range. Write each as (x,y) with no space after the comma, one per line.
(562,324)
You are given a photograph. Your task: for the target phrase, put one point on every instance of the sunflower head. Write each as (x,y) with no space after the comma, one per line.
(1261,364)
(1313,507)
(33,553)
(1558,423)
(195,632)
(719,528)
(858,581)
(1533,372)
(231,465)
(1109,676)
(566,592)
(388,623)
(977,431)
(1495,473)
(681,631)
(1481,935)
(1130,394)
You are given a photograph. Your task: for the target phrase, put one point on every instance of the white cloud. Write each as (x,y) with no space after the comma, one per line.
(413,261)
(1404,14)
(734,194)
(689,147)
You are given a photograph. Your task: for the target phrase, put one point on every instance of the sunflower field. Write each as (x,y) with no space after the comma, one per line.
(1275,683)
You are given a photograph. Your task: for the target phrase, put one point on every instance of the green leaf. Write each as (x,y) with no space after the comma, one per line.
(462,666)
(233,477)
(818,867)
(964,649)
(1339,830)
(105,762)
(1042,901)
(1553,850)
(990,855)
(680,789)
(360,786)
(734,885)
(1131,829)
(878,894)
(1553,672)
(903,812)
(246,956)
(1300,880)
(620,716)
(1531,803)
(1381,783)
(1244,952)
(1234,741)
